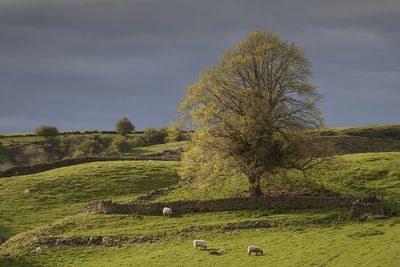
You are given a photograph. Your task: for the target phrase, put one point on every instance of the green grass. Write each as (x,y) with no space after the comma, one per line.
(294,242)
(355,174)
(302,238)
(365,172)
(18,138)
(60,192)
(162,147)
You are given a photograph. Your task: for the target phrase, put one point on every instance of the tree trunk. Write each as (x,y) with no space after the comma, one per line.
(255,187)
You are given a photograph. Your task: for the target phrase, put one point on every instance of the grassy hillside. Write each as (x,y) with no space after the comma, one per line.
(352,174)
(60,192)
(386,131)
(298,239)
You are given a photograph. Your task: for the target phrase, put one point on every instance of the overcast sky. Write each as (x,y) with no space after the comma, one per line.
(83,64)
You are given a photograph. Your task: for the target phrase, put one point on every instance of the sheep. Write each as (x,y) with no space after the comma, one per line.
(27,191)
(167,211)
(254,249)
(38,249)
(200,243)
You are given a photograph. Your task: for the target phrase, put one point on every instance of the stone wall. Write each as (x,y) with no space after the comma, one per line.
(23,170)
(182,207)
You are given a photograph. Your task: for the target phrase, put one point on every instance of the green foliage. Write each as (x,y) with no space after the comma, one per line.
(121,144)
(254,109)
(175,133)
(47,131)
(152,136)
(3,153)
(88,147)
(124,126)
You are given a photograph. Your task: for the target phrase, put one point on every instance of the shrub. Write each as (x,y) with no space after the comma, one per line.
(152,136)
(121,144)
(124,126)
(33,154)
(175,133)
(87,147)
(47,131)
(3,153)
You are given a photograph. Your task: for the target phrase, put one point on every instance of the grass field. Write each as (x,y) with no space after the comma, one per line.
(306,238)
(299,238)
(60,192)
(355,174)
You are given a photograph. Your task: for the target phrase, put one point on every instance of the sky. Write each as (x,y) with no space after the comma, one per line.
(83,64)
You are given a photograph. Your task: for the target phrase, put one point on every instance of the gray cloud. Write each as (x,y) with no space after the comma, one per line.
(82,64)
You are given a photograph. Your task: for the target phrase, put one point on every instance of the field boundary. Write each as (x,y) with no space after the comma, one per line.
(37,168)
(230,204)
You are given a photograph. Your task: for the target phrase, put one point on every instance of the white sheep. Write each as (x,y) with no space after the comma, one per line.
(200,244)
(254,249)
(27,191)
(38,249)
(167,211)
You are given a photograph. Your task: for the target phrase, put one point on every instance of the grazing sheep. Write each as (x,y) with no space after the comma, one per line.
(200,244)
(254,249)
(167,211)
(27,191)
(38,249)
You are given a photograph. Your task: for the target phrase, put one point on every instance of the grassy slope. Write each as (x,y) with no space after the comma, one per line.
(60,192)
(310,244)
(360,173)
(14,138)
(296,243)
(353,174)
(328,245)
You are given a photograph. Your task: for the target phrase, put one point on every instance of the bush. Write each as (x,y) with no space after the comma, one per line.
(47,131)
(3,153)
(121,144)
(175,133)
(33,154)
(80,146)
(152,136)
(124,126)
(88,147)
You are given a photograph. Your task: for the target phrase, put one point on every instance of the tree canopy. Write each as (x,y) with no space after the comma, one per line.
(124,126)
(252,111)
(47,131)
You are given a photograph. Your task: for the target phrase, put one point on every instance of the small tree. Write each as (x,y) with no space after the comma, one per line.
(121,144)
(47,131)
(124,126)
(175,133)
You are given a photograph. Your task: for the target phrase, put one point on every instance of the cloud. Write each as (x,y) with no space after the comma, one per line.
(85,63)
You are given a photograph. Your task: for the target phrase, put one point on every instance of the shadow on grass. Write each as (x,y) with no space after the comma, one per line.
(215,252)
(16,263)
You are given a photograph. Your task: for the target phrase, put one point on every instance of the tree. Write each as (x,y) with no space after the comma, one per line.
(124,126)
(252,111)
(47,131)
(175,133)
(121,144)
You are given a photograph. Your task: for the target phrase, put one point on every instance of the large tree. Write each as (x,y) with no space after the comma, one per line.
(253,109)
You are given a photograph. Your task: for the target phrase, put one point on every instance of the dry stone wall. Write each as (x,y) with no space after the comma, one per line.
(23,170)
(232,204)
